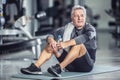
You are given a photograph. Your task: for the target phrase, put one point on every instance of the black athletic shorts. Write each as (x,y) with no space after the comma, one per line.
(82,64)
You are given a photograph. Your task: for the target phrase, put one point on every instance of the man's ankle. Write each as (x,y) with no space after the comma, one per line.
(36,64)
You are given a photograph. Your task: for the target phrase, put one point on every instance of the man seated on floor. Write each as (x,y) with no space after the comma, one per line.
(78,47)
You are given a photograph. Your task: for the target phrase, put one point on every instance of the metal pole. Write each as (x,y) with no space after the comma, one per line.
(2,19)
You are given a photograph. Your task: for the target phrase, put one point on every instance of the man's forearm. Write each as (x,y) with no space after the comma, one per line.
(70,43)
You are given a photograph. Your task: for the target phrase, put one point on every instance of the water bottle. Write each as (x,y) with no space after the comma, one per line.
(60,40)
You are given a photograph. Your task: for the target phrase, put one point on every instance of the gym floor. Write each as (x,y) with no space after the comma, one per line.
(107,54)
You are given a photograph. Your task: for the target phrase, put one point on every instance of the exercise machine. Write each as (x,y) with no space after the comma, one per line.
(114,12)
(19,38)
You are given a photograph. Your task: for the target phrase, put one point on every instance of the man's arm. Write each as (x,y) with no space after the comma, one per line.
(67,43)
(88,35)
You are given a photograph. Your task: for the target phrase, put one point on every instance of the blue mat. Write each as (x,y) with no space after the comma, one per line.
(97,70)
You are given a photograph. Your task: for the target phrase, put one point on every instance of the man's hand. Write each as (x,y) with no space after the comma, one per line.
(54,48)
(52,44)
(61,45)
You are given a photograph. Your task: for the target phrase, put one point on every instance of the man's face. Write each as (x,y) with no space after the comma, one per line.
(78,18)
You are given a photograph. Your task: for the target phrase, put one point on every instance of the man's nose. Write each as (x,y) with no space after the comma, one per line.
(79,17)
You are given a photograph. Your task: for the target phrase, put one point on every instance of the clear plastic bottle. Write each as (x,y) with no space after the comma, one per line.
(60,40)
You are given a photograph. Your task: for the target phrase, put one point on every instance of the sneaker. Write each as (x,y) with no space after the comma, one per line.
(32,69)
(55,70)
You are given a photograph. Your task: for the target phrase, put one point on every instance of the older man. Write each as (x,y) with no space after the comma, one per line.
(77,50)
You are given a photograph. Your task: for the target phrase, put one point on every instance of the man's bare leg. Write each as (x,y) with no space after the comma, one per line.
(44,56)
(75,52)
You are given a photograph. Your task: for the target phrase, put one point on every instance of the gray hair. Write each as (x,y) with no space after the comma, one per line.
(78,7)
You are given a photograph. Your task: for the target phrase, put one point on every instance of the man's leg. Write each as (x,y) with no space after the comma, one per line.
(44,56)
(75,52)
(34,67)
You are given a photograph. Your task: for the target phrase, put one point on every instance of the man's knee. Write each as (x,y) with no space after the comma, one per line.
(48,48)
(80,46)
(82,49)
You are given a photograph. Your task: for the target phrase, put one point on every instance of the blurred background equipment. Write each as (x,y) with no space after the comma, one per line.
(12,9)
(14,37)
(114,12)
(2,19)
(25,21)
(58,14)
(19,39)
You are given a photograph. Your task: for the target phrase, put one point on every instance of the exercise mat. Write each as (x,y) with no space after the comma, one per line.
(98,69)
